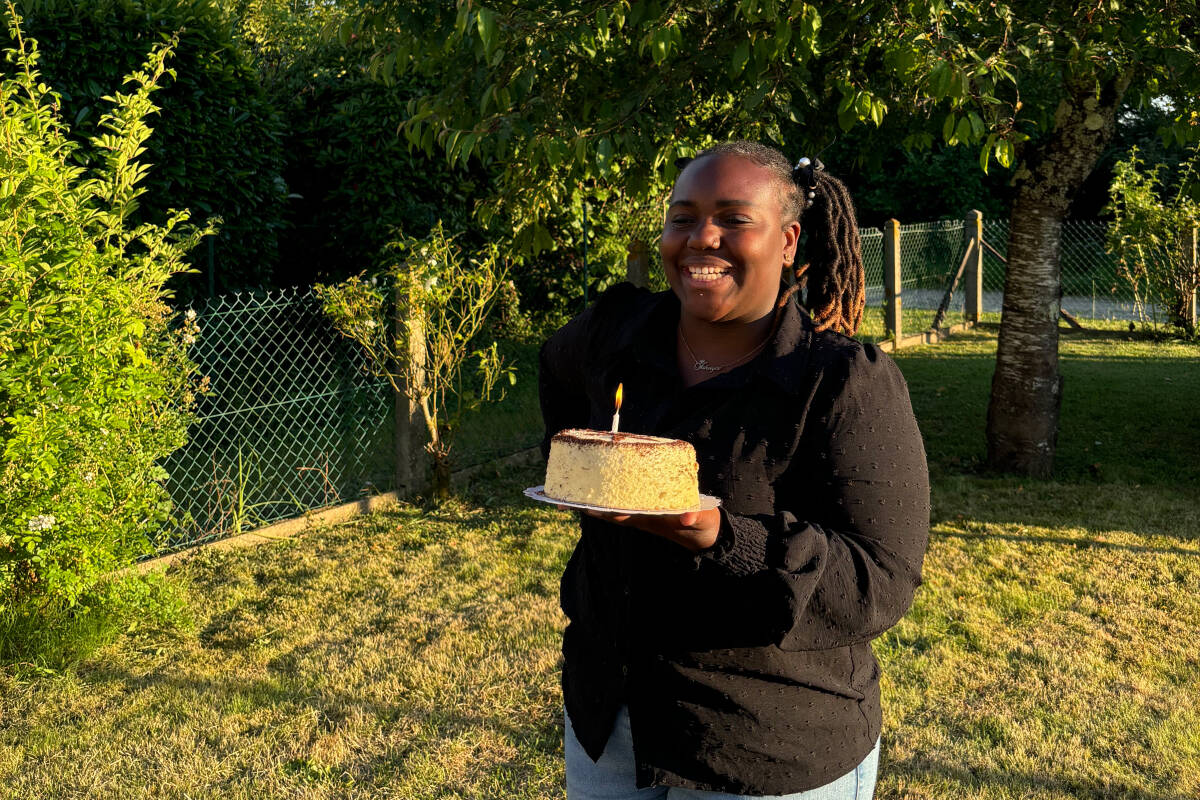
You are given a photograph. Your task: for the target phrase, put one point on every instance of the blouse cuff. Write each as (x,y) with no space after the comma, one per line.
(741,546)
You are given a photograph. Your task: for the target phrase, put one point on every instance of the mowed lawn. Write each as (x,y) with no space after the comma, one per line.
(1052,652)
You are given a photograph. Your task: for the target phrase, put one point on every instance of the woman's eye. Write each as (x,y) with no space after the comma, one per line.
(681,220)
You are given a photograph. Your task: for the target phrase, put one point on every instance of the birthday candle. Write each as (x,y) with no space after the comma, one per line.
(617,413)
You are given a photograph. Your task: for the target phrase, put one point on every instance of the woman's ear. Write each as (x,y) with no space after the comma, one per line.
(791,238)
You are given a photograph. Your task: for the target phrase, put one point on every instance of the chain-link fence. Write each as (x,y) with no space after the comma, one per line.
(292,420)
(1091,285)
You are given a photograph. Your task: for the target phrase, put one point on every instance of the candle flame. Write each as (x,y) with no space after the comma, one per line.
(620,393)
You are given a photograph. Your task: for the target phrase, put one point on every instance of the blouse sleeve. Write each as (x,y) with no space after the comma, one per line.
(844,570)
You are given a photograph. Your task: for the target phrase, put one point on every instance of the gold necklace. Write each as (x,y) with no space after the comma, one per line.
(702,365)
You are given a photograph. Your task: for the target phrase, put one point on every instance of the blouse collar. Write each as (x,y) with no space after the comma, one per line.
(650,340)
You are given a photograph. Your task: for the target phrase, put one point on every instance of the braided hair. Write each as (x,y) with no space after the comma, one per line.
(833,270)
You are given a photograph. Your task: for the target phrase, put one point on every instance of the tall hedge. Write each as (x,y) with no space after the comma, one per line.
(216,147)
(95,382)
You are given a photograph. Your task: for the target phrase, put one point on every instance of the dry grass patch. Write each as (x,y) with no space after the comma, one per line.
(406,655)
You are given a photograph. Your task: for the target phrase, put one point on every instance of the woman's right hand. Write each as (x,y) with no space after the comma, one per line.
(695,530)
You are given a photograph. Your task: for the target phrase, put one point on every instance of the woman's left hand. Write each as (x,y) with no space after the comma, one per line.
(695,530)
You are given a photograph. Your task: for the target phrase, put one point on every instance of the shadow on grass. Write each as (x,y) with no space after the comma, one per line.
(1093,509)
(1063,540)
(1125,419)
(970,781)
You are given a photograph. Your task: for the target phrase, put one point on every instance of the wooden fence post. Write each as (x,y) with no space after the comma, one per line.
(637,264)
(973,235)
(893,318)
(411,462)
(1191,254)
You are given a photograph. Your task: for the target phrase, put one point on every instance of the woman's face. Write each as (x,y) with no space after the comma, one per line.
(724,242)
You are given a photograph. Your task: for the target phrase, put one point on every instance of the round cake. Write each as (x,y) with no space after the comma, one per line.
(622,470)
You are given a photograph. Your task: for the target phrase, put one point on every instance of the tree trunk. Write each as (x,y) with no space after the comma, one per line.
(1022,424)
(441,478)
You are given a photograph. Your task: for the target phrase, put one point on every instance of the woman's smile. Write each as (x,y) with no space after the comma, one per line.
(706,276)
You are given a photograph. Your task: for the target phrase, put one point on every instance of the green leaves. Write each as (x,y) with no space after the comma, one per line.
(485,20)
(1005,153)
(741,54)
(1152,233)
(216,145)
(94,378)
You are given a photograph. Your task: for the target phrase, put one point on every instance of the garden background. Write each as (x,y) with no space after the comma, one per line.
(413,653)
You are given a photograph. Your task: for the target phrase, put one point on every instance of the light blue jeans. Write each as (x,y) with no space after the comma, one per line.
(612,777)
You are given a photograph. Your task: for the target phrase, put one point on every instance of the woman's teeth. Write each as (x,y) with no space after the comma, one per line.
(706,273)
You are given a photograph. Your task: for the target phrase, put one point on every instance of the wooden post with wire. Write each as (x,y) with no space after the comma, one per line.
(411,465)
(893,316)
(637,264)
(973,232)
(1191,255)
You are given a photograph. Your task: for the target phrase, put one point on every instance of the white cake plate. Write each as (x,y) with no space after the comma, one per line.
(707,503)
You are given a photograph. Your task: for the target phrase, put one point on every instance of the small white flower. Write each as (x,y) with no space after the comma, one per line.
(189,338)
(42,522)
(370,323)
(191,314)
(89,476)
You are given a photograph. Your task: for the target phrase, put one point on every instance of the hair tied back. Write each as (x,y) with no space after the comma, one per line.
(805,175)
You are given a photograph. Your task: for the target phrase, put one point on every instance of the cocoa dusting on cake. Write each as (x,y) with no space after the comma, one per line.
(584,437)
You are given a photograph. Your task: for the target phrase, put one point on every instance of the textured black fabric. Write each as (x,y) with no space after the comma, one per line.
(747,668)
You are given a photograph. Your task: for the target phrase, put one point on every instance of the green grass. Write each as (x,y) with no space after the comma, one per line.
(1051,652)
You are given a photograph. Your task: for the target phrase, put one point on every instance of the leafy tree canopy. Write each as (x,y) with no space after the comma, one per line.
(609,94)
(559,95)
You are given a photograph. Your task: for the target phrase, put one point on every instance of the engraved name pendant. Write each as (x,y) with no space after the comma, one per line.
(704,366)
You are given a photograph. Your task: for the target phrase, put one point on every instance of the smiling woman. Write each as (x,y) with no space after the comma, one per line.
(724,239)
(728,651)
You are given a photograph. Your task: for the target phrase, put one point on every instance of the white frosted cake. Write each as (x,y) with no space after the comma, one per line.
(622,470)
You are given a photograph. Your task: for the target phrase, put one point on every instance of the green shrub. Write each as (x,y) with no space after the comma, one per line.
(1151,235)
(425,350)
(217,146)
(94,375)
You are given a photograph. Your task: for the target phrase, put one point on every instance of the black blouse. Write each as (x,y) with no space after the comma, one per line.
(747,667)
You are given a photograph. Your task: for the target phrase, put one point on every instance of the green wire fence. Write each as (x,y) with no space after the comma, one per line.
(292,421)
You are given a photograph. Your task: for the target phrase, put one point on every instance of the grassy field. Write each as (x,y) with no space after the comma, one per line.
(1051,652)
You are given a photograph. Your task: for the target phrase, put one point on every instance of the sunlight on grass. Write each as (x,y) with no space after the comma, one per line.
(1050,654)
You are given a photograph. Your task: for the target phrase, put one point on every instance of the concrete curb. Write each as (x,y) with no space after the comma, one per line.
(924,337)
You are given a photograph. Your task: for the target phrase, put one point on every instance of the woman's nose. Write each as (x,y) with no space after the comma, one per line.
(705,236)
